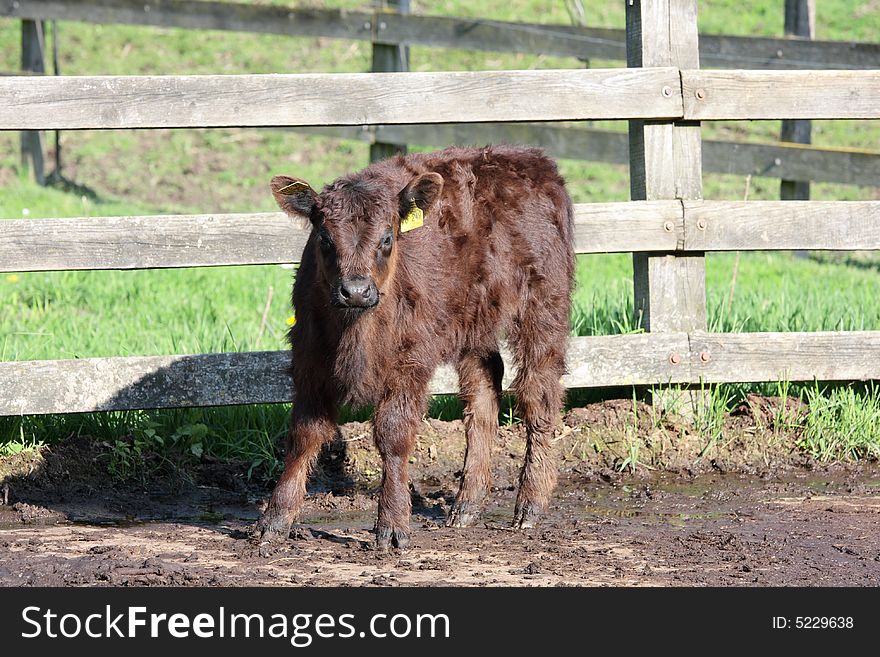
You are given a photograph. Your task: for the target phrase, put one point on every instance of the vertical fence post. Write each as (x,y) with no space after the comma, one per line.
(393,58)
(665,163)
(800,20)
(33,61)
(56,174)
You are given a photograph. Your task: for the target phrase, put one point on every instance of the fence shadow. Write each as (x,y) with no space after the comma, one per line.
(118,481)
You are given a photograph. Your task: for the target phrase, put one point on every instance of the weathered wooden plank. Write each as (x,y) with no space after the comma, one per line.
(682,279)
(648,44)
(604,361)
(335,99)
(632,226)
(152,242)
(571,143)
(32,160)
(199,15)
(716,51)
(624,360)
(389,58)
(390,29)
(125,383)
(793,162)
(800,18)
(789,161)
(800,21)
(722,51)
(101,384)
(781,225)
(33,62)
(755,357)
(149,242)
(665,163)
(271,238)
(743,95)
(501,36)
(669,291)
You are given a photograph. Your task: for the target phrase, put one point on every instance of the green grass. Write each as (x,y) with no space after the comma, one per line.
(83,314)
(843,424)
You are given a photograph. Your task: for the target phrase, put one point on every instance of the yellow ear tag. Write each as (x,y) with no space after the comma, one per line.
(415,218)
(292,187)
(291,321)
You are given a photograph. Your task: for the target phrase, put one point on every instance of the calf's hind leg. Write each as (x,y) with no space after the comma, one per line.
(539,393)
(480,385)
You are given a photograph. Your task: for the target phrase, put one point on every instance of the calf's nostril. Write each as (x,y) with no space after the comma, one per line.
(343,292)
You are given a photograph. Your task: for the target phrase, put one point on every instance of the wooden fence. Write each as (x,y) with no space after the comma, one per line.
(667,225)
(392,33)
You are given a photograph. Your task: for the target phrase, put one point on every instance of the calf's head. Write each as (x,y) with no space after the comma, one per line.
(356,223)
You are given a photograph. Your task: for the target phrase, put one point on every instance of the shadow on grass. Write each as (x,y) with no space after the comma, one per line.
(59,182)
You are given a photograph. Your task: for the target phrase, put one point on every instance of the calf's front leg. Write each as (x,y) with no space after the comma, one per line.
(309,429)
(394,430)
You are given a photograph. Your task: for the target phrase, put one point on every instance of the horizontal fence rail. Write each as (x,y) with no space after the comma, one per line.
(269,238)
(213,101)
(746,95)
(774,160)
(126,383)
(273,238)
(781,225)
(148,242)
(203,101)
(716,51)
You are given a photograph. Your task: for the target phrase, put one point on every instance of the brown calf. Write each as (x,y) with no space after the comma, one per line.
(420,260)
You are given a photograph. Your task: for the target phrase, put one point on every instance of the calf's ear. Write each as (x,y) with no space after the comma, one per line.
(293,195)
(422,190)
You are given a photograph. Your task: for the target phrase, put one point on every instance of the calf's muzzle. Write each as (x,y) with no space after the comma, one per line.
(356,292)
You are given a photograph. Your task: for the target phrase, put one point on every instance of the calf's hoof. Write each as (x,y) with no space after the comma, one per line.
(272,527)
(463,515)
(388,537)
(525,516)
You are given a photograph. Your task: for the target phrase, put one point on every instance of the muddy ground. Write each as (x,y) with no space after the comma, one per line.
(748,511)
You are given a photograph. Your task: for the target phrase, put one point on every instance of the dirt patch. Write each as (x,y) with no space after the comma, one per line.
(750,510)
